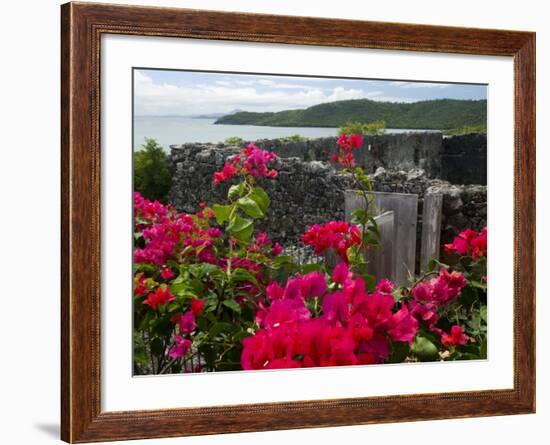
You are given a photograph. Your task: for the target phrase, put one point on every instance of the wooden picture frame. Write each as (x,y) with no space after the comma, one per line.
(82,26)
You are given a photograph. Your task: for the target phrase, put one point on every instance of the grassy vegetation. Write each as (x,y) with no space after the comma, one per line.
(482,128)
(370,128)
(234,140)
(292,138)
(440,114)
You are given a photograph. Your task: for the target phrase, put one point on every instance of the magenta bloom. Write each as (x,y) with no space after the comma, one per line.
(229,170)
(338,235)
(468,242)
(167,273)
(293,289)
(180,347)
(187,322)
(385,286)
(455,338)
(356,140)
(336,307)
(403,326)
(341,273)
(274,291)
(284,311)
(214,232)
(276,250)
(441,290)
(313,284)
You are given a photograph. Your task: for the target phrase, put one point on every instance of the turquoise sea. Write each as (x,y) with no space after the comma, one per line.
(170,130)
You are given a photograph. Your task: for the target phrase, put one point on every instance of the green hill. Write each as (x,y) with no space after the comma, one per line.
(439,114)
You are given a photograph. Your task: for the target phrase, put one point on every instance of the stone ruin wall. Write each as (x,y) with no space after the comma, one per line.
(309,189)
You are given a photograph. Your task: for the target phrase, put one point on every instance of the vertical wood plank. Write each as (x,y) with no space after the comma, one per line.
(380,262)
(431,228)
(405,208)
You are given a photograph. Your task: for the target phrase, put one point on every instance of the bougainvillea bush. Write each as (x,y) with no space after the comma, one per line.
(212,293)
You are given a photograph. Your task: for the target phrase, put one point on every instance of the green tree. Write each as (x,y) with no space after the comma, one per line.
(152,177)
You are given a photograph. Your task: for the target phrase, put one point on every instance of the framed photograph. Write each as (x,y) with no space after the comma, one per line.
(274,222)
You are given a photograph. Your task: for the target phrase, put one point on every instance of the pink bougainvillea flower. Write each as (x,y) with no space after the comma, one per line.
(425,312)
(161,296)
(403,326)
(338,235)
(341,273)
(479,246)
(187,322)
(214,232)
(141,287)
(344,156)
(313,284)
(253,161)
(336,307)
(274,291)
(385,286)
(468,242)
(283,311)
(197,307)
(276,250)
(374,351)
(293,289)
(455,338)
(441,290)
(167,273)
(229,170)
(180,347)
(262,239)
(356,140)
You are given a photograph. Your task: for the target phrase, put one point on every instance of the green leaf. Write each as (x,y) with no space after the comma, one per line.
(435,264)
(261,198)
(483,313)
(483,350)
(283,259)
(400,352)
(203,270)
(233,305)
(218,327)
(163,327)
(236,191)
(241,274)
(157,347)
(250,207)
(240,228)
(359,216)
(424,349)
(222,212)
(307,268)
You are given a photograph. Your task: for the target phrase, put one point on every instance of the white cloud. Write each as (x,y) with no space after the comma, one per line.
(224,96)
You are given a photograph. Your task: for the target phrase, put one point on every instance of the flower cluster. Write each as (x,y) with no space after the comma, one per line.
(338,235)
(166,233)
(344,156)
(160,297)
(355,327)
(455,338)
(252,160)
(429,296)
(469,243)
(186,323)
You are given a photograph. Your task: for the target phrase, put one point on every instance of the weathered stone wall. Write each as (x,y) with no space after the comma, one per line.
(464,159)
(309,192)
(458,159)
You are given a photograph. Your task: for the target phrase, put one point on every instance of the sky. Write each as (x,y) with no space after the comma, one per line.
(185,93)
